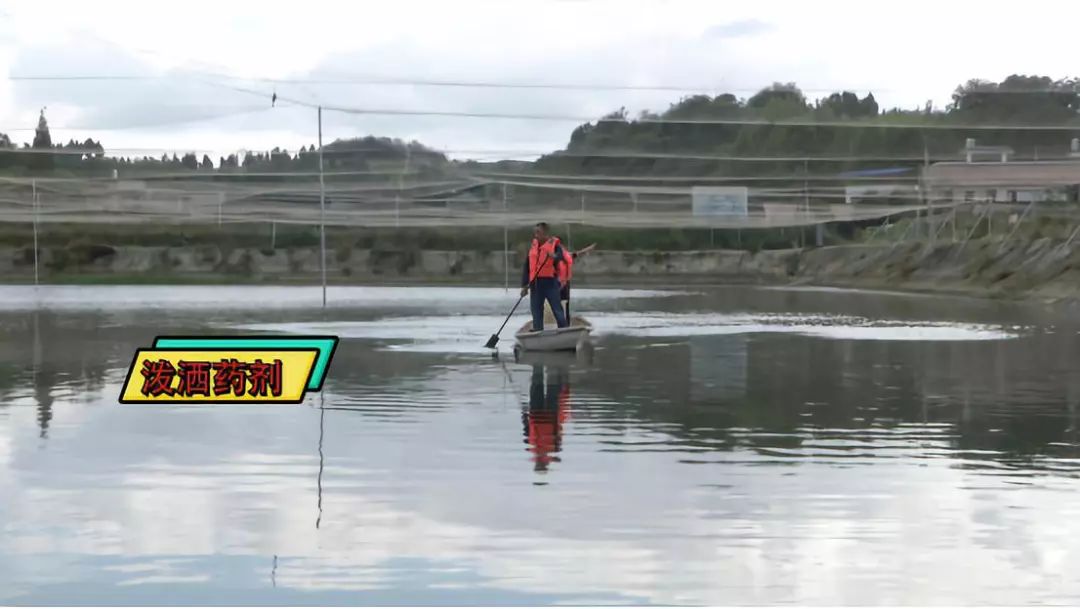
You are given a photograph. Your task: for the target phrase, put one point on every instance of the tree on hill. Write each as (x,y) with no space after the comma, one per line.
(42,161)
(1021,100)
(848,105)
(7,159)
(42,137)
(728,136)
(190,161)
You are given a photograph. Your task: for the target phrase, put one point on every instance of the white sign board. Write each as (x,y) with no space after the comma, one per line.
(719,200)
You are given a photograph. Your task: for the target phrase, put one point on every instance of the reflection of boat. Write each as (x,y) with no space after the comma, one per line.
(554,358)
(570,338)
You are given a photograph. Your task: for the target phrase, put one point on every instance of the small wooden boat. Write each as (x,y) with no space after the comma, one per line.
(553,339)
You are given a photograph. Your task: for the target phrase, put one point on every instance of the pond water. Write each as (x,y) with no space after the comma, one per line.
(716,445)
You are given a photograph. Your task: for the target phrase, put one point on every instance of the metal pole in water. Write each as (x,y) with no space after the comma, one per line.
(273,234)
(925,191)
(322,214)
(33,186)
(506,244)
(44,412)
(401,186)
(322,416)
(806,199)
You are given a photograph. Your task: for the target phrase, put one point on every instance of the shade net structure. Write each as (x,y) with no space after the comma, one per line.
(430,201)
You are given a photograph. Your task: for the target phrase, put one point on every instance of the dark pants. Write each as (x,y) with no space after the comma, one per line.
(546,289)
(544,393)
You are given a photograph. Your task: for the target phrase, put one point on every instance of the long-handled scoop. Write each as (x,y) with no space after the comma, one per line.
(494,340)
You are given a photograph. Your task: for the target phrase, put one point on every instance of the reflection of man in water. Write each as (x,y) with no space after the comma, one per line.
(549,408)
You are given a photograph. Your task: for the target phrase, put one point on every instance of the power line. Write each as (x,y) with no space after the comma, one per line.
(664,121)
(597,153)
(362,81)
(77,77)
(741,158)
(482,84)
(645,154)
(497,177)
(674,121)
(416,82)
(238,111)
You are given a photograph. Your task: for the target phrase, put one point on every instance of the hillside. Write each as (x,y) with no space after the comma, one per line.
(842,125)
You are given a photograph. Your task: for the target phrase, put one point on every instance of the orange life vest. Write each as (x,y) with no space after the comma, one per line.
(544,430)
(542,259)
(566,269)
(544,436)
(564,404)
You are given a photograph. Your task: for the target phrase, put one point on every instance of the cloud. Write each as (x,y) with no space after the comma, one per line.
(141,96)
(171,103)
(571,43)
(579,43)
(739,29)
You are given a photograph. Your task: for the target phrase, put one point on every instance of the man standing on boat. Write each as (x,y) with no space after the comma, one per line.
(542,274)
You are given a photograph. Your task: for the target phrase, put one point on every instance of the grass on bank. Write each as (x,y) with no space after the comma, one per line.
(264,236)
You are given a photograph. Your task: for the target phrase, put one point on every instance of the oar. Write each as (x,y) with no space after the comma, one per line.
(494,340)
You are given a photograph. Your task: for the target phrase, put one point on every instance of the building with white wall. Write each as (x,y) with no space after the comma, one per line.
(1003,180)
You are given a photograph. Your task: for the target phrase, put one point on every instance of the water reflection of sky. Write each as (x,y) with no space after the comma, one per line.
(786,469)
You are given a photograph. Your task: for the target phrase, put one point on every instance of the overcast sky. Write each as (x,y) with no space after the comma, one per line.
(194,55)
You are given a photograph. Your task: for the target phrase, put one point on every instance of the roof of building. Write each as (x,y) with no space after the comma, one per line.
(1020,173)
(989,149)
(864,173)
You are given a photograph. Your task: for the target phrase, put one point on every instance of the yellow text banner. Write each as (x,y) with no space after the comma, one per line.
(219,376)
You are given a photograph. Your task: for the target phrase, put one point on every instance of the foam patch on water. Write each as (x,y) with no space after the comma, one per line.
(430,334)
(843,290)
(658,325)
(468,333)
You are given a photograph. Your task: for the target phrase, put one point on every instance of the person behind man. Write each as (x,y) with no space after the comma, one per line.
(566,274)
(541,274)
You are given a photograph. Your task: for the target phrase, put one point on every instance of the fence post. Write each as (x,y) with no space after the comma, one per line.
(33,186)
(506,243)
